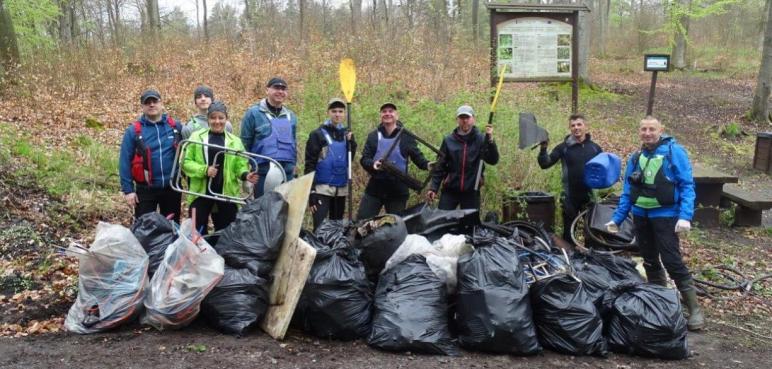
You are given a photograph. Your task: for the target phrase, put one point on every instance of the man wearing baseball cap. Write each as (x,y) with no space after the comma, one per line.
(326,153)
(463,149)
(202,98)
(383,189)
(270,129)
(147,157)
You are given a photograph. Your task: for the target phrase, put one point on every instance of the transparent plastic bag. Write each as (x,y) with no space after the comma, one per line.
(111,283)
(188,272)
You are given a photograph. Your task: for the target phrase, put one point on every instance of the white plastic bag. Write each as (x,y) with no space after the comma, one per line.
(186,275)
(112,280)
(441,256)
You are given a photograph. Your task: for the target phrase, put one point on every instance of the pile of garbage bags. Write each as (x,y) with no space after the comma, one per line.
(426,283)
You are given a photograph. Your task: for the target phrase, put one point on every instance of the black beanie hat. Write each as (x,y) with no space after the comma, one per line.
(203,90)
(217,106)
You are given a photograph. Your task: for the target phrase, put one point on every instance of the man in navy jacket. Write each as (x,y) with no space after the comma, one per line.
(147,157)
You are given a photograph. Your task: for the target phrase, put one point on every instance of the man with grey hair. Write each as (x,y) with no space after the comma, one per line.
(462,151)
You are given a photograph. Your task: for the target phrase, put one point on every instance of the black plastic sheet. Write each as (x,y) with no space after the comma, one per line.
(411,310)
(494,311)
(334,233)
(155,233)
(238,303)
(337,299)
(646,320)
(602,214)
(566,317)
(253,240)
(433,223)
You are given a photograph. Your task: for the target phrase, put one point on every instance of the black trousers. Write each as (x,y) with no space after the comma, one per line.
(151,199)
(450,200)
(657,241)
(334,206)
(571,206)
(223,213)
(371,205)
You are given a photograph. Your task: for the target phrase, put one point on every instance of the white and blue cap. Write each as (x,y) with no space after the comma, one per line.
(465,110)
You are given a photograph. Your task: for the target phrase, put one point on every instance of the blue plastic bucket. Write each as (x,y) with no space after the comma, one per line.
(602,171)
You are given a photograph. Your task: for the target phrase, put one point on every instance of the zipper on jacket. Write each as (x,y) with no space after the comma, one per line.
(463,169)
(160,154)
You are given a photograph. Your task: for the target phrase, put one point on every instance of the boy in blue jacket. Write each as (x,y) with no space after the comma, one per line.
(659,189)
(147,157)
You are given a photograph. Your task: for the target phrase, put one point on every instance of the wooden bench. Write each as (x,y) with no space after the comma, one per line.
(750,205)
(708,185)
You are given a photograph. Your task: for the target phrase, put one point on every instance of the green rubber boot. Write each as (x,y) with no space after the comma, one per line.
(696,320)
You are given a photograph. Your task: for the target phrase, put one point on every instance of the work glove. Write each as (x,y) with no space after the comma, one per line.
(683,226)
(612,227)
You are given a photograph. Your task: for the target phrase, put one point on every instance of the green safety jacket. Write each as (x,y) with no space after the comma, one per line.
(194,165)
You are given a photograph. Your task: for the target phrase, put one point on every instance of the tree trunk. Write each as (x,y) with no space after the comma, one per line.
(9,48)
(198,21)
(760,110)
(301,14)
(356,14)
(583,57)
(153,18)
(206,22)
(682,22)
(475,20)
(604,7)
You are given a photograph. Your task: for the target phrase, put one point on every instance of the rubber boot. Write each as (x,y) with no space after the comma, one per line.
(658,277)
(696,320)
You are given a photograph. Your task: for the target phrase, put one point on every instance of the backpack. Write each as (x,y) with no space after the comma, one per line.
(141,169)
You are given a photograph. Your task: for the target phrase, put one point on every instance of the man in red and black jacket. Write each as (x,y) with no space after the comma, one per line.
(462,151)
(147,158)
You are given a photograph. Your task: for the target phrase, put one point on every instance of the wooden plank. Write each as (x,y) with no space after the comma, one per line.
(295,259)
(295,272)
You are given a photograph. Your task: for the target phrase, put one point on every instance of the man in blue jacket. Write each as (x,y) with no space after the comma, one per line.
(462,151)
(269,129)
(660,190)
(147,157)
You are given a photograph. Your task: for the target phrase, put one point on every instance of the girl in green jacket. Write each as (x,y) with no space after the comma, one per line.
(225,173)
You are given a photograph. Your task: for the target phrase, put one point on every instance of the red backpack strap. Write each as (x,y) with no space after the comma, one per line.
(137,130)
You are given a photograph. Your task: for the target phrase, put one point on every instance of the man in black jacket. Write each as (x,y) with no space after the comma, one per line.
(384,189)
(462,151)
(573,153)
(326,154)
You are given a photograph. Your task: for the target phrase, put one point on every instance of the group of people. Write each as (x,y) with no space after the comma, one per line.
(658,185)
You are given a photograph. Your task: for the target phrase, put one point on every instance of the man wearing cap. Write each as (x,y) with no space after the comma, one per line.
(269,129)
(573,153)
(462,151)
(327,154)
(384,189)
(147,157)
(202,98)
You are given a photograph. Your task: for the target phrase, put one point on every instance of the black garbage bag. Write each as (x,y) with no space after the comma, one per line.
(601,271)
(377,239)
(433,223)
(411,306)
(566,317)
(254,239)
(645,319)
(334,233)
(494,312)
(337,299)
(238,303)
(155,233)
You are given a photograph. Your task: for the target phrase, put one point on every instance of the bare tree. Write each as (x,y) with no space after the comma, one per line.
(206,23)
(153,18)
(760,110)
(356,14)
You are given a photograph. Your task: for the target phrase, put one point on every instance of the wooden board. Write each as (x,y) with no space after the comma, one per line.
(295,260)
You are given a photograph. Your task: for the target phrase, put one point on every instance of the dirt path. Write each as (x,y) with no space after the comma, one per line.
(201,347)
